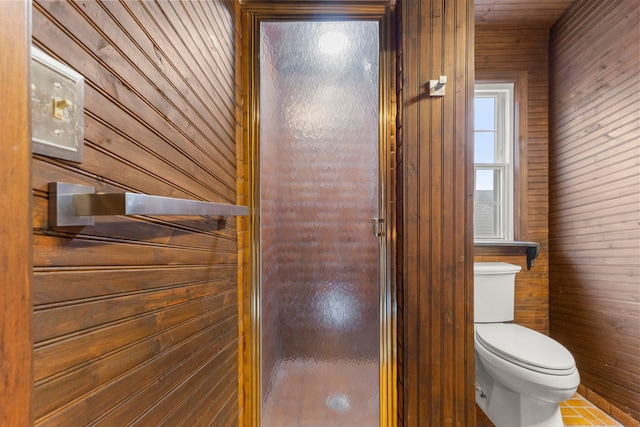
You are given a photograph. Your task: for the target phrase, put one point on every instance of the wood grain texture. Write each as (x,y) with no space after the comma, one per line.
(399,213)
(15,217)
(248,379)
(519,13)
(594,198)
(241,222)
(435,294)
(521,55)
(135,319)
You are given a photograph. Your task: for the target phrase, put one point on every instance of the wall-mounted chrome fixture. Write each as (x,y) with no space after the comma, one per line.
(73,205)
(436,87)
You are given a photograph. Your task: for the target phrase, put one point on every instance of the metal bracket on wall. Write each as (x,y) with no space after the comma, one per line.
(73,205)
(533,250)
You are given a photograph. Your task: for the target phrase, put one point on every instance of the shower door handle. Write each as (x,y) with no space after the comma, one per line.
(378,227)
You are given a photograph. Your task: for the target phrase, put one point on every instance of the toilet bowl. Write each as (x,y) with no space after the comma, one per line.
(521,375)
(522,382)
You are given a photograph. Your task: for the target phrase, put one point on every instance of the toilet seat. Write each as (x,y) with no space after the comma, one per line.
(526,348)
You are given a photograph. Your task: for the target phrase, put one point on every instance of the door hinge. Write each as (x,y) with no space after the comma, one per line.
(378,227)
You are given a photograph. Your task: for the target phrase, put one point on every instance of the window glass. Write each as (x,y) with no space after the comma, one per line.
(485,113)
(488,201)
(485,149)
(493,162)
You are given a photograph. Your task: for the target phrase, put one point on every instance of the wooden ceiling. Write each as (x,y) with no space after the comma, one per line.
(520,13)
(510,13)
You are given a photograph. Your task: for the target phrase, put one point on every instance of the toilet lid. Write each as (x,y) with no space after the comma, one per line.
(526,347)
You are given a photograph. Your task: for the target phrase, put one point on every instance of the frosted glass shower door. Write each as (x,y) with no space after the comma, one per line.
(319,191)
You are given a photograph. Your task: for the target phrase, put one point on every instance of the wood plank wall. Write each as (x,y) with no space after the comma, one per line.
(436,238)
(508,51)
(135,319)
(399,214)
(595,197)
(15,215)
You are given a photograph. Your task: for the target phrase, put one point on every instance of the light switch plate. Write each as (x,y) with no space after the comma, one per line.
(57,108)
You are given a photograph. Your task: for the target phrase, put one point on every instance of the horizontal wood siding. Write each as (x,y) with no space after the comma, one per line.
(135,319)
(595,196)
(435,295)
(507,52)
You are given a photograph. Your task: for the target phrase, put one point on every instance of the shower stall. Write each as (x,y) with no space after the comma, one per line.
(321,274)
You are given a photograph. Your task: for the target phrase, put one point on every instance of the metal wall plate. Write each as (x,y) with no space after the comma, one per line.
(57,108)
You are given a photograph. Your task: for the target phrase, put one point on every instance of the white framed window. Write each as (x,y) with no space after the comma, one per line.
(493,162)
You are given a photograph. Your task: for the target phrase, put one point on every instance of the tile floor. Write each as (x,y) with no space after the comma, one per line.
(330,399)
(314,393)
(578,411)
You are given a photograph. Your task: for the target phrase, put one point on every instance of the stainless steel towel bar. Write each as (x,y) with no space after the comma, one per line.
(76,205)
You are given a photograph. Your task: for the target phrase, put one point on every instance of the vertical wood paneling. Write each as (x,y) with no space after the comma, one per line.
(135,319)
(595,197)
(507,52)
(15,218)
(399,213)
(241,227)
(435,298)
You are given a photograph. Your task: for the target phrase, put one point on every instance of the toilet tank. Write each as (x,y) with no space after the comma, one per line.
(494,287)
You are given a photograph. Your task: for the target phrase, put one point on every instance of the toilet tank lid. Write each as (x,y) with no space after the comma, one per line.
(495,268)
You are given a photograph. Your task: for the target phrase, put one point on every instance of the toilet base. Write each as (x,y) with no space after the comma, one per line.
(506,408)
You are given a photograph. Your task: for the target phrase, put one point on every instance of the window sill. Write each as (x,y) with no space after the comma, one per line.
(530,249)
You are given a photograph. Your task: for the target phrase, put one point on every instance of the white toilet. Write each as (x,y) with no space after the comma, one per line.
(521,375)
